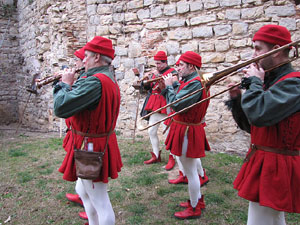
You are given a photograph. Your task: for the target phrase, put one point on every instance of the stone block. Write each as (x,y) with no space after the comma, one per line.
(285,10)
(143,14)
(169,10)
(239,28)
(213,57)
(227,3)
(115,28)
(104,9)
(252,13)
(180,34)
(182,7)
(203,19)
(130,17)
(203,31)
(196,5)
(191,46)
(136,4)
(157,25)
(105,20)
(134,50)
(210,4)
(176,22)
(148,2)
(233,14)
(155,11)
(172,47)
(91,10)
(289,23)
(102,30)
(220,30)
(221,45)
(121,51)
(118,17)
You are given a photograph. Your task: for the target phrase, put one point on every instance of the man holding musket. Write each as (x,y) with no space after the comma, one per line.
(270,110)
(186,137)
(93,104)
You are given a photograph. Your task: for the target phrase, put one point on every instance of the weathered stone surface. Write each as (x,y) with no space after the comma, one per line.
(227,3)
(180,34)
(182,7)
(170,10)
(176,22)
(43,36)
(286,10)
(202,19)
(233,14)
(220,30)
(239,28)
(204,31)
(221,45)
(196,5)
(172,47)
(143,14)
(155,12)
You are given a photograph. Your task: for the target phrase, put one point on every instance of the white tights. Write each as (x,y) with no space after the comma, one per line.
(190,168)
(261,215)
(96,202)
(199,166)
(153,131)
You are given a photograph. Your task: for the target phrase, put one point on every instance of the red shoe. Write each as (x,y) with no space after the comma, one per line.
(74,198)
(83,215)
(153,159)
(187,203)
(203,180)
(189,212)
(180,179)
(171,163)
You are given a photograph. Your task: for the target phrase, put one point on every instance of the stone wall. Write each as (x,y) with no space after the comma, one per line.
(10,62)
(220,30)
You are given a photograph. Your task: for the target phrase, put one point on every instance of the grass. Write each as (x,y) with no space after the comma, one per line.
(32,191)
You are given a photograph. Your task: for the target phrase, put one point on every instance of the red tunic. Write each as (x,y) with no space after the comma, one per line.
(197,142)
(99,121)
(156,100)
(273,179)
(68,134)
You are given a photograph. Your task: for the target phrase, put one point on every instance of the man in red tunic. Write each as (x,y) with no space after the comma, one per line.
(93,103)
(270,110)
(186,138)
(156,101)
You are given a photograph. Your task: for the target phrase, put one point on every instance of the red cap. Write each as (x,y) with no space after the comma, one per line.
(177,63)
(101,45)
(192,58)
(79,53)
(161,55)
(273,34)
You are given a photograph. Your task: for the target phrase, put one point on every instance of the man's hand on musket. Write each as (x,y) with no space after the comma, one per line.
(68,76)
(169,79)
(255,70)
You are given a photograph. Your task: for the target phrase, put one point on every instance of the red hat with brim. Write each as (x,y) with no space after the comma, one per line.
(273,34)
(191,58)
(79,53)
(101,45)
(161,55)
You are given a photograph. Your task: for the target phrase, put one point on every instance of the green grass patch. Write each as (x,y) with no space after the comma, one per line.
(33,192)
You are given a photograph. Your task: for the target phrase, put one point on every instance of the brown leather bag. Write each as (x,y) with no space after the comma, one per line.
(88,164)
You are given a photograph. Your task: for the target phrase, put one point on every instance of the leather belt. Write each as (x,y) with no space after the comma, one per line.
(187,124)
(91,135)
(255,147)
